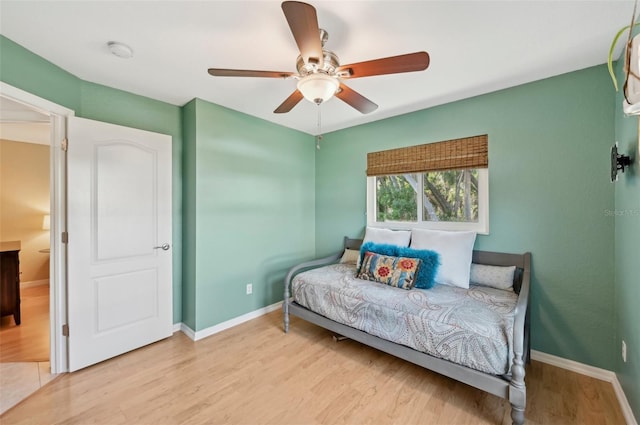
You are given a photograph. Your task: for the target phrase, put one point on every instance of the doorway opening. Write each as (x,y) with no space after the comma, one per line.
(32,217)
(25,213)
(118,179)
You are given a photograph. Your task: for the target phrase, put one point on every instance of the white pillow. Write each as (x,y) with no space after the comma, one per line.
(493,276)
(456,252)
(350,256)
(387,236)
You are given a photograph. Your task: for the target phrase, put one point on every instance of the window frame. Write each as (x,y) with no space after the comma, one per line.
(480,227)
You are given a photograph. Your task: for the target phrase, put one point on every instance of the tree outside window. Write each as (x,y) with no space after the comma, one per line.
(450,195)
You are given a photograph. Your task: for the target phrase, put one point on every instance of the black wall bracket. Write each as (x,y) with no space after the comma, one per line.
(618,162)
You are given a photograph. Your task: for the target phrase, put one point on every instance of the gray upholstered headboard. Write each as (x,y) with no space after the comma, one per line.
(352,243)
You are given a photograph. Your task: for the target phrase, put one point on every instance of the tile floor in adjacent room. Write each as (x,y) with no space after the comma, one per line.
(20,380)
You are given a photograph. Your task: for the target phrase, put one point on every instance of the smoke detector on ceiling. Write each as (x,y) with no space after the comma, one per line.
(120,50)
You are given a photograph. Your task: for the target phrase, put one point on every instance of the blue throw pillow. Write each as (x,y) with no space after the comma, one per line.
(427,271)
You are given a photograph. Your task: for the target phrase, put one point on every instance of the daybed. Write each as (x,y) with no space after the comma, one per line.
(426,324)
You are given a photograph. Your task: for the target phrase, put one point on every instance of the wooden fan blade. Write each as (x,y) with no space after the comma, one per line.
(355,99)
(289,103)
(410,62)
(303,21)
(219,72)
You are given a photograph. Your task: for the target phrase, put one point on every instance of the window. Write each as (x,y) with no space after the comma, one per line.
(451,195)
(445,186)
(396,198)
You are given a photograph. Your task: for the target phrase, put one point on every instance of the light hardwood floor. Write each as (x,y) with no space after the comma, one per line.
(28,342)
(255,374)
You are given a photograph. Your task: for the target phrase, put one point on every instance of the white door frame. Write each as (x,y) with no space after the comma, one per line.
(58,188)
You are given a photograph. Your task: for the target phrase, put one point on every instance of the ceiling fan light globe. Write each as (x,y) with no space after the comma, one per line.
(318,88)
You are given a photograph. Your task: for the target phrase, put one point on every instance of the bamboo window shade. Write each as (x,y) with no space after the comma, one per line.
(456,154)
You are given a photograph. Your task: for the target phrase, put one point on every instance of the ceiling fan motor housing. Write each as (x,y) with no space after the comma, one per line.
(329,66)
(320,82)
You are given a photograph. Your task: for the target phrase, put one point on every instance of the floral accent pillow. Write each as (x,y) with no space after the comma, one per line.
(425,278)
(399,272)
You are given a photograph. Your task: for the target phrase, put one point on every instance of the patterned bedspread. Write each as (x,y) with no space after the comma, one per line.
(472,327)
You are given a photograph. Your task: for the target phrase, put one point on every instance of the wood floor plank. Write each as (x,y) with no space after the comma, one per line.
(254,374)
(29,341)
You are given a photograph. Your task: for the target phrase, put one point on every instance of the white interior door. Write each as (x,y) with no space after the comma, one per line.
(119,248)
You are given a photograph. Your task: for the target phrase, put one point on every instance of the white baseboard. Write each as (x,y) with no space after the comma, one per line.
(593,372)
(181,327)
(581,368)
(624,403)
(198,335)
(33,283)
(187,331)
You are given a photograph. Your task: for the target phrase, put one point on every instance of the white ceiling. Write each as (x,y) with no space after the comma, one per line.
(475,47)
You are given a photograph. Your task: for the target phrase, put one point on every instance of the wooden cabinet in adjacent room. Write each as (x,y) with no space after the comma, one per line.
(10,279)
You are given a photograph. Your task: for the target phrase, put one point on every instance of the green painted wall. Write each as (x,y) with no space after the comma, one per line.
(189,223)
(251,216)
(27,71)
(548,179)
(626,216)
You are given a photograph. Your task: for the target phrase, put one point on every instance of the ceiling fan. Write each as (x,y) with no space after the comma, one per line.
(319,73)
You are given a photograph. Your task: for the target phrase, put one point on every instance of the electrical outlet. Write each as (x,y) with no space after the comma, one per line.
(249,288)
(624,351)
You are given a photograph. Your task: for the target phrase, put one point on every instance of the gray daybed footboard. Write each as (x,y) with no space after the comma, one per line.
(510,387)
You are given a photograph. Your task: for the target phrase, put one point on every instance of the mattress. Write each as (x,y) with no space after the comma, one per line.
(472,327)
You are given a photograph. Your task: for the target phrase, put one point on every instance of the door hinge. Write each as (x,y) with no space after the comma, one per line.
(65,237)
(65,330)
(65,144)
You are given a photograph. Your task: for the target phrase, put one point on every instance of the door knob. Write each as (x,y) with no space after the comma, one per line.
(164,247)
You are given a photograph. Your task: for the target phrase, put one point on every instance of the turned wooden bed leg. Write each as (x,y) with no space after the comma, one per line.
(517,415)
(517,390)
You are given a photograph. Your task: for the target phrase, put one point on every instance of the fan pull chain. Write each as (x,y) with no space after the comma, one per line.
(319,136)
